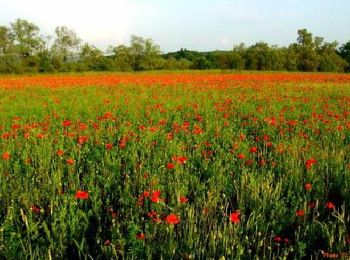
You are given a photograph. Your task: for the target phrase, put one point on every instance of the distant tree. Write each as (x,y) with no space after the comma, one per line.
(6,40)
(123,60)
(145,55)
(258,57)
(344,52)
(27,43)
(93,59)
(65,46)
(329,59)
(306,48)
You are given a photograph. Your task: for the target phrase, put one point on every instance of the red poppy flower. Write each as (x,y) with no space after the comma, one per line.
(155,196)
(83,139)
(330,205)
(140,236)
(59,152)
(182,159)
(311,204)
(35,209)
(6,156)
(310,162)
(183,199)
(172,219)
(235,217)
(82,195)
(277,239)
(308,186)
(170,166)
(70,161)
(240,156)
(66,123)
(300,213)
(109,146)
(253,149)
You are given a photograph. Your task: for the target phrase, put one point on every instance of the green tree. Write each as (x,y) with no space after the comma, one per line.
(144,54)
(93,59)
(258,57)
(27,43)
(65,47)
(329,59)
(344,52)
(123,61)
(306,49)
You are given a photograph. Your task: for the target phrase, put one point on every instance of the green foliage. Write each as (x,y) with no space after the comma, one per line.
(22,49)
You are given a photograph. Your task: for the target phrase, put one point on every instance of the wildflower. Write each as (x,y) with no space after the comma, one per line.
(170,166)
(82,195)
(70,161)
(172,219)
(35,209)
(330,205)
(311,204)
(6,156)
(308,186)
(109,146)
(240,156)
(66,123)
(83,139)
(59,152)
(235,217)
(182,159)
(107,242)
(310,162)
(277,239)
(155,196)
(253,149)
(183,199)
(300,213)
(140,236)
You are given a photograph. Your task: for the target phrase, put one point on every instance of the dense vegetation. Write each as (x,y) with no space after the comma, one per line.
(24,50)
(175,166)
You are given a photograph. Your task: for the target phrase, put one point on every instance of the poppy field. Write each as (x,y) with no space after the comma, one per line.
(198,165)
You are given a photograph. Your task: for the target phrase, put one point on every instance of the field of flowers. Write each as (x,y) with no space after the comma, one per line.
(175,166)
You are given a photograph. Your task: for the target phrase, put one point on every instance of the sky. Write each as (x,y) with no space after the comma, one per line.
(193,24)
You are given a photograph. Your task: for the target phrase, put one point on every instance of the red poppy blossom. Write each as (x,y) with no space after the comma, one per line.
(240,156)
(59,152)
(109,146)
(253,149)
(308,186)
(311,204)
(172,219)
(310,162)
(82,195)
(6,156)
(170,166)
(140,236)
(300,213)
(35,209)
(183,199)
(330,205)
(182,159)
(66,123)
(156,196)
(235,217)
(277,239)
(70,161)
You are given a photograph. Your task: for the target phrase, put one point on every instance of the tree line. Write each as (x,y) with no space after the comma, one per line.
(24,50)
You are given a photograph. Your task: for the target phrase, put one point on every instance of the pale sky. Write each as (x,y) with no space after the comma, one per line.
(192,24)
